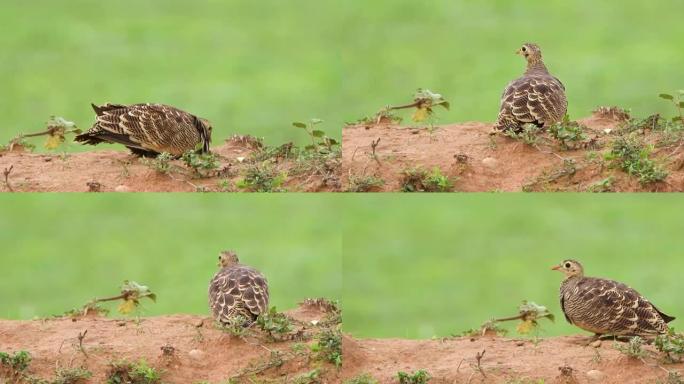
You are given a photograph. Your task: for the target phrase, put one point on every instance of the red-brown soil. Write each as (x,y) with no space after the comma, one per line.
(108,170)
(196,350)
(504,361)
(483,163)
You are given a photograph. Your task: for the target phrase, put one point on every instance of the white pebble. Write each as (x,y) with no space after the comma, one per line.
(596,375)
(490,162)
(122,188)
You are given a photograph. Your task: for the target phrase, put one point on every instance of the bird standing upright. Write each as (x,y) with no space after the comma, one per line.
(535,98)
(148,129)
(607,307)
(238,294)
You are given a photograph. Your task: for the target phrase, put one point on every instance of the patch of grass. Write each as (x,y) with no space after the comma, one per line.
(71,375)
(632,156)
(633,349)
(328,346)
(570,134)
(421,376)
(671,345)
(605,185)
(311,377)
(125,372)
(274,323)
(161,163)
(18,361)
(364,183)
(202,164)
(235,326)
(262,177)
(364,378)
(528,135)
(420,180)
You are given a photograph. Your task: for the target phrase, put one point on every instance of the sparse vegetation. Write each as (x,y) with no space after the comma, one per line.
(420,180)
(604,185)
(633,349)
(311,377)
(570,134)
(364,183)
(124,372)
(17,362)
(528,135)
(632,156)
(328,346)
(161,163)
(421,376)
(262,177)
(71,376)
(277,325)
(671,345)
(202,164)
(364,378)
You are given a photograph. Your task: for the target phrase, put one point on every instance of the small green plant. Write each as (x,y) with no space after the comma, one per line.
(320,142)
(311,377)
(364,183)
(605,185)
(421,376)
(262,177)
(16,362)
(529,134)
(201,163)
(568,133)
(125,372)
(71,375)
(420,180)
(633,349)
(673,377)
(161,163)
(671,345)
(235,326)
(131,294)
(632,156)
(365,378)
(274,323)
(328,346)
(678,103)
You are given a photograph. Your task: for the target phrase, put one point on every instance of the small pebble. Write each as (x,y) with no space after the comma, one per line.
(196,354)
(490,162)
(596,375)
(122,188)
(595,344)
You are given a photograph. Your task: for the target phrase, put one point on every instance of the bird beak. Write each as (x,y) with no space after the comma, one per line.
(518,52)
(556,268)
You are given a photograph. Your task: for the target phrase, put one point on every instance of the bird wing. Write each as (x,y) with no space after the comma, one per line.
(622,308)
(562,303)
(535,99)
(254,290)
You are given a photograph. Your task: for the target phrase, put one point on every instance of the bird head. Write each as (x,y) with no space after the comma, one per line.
(531,52)
(227,259)
(570,268)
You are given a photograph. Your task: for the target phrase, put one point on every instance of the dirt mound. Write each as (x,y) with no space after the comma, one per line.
(551,360)
(184,348)
(107,170)
(479,162)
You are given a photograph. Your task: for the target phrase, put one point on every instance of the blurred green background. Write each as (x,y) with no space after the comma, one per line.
(59,251)
(254,67)
(418,267)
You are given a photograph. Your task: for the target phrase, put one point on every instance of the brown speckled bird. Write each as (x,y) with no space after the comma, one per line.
(237,293)
(148,129)
(606,307)
(535,98)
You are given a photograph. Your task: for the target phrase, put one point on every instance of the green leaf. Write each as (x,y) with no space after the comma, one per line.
(317,133)
(666,96)
(316,121)
(310,147)
(299,125)
(681,104)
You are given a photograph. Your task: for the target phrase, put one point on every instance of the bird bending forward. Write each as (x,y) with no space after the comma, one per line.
(535,98)
(148,129)
(607,307)
(238,294)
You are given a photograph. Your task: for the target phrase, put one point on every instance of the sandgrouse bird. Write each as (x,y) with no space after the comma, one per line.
(237,293)
(148,129)
(535,98)
(607,307)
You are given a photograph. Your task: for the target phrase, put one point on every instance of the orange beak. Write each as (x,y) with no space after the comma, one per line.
(556,268)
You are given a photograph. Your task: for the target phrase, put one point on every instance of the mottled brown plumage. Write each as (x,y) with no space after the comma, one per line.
(535,98)
(237,293)
(607,307)
(148,129)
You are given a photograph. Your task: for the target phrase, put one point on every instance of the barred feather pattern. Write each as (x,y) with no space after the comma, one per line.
(148,129)
(609,307)
(535,98)
(238,291)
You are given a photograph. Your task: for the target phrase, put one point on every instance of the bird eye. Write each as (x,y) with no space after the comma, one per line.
(524,49)
(567,265)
